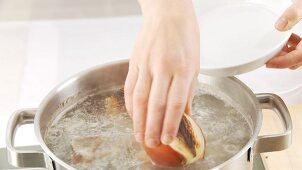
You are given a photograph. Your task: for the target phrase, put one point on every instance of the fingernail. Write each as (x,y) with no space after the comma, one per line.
(167,139)
(139,137)
(151,143)
(281,23)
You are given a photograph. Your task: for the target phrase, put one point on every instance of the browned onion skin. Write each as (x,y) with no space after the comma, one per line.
(186,148)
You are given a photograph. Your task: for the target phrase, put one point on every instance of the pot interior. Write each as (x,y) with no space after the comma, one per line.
(89,109)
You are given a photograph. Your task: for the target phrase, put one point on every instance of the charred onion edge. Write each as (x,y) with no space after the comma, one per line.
(189,144)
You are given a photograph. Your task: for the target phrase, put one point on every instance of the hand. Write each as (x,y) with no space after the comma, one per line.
(291,54)
(162,70)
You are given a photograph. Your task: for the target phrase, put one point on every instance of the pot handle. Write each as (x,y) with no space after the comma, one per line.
(275,142)
(24,158)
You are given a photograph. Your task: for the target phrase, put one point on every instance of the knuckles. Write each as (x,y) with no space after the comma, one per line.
(166,62)
(175,65)
(139,99)
(157,105)
(177,106)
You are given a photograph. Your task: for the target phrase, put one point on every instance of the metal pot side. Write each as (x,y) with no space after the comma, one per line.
(113,75)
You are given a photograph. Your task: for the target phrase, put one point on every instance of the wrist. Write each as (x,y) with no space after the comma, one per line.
(167,8)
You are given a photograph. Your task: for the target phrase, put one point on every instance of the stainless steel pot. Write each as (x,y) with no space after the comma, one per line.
(113,75)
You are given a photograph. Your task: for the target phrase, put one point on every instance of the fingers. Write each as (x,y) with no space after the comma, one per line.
(293,40)
(289,60)
(290,17)
(140,102)
(177,100)
(295,66)
(290,56)
(129,88)
(156,109)
(188,108)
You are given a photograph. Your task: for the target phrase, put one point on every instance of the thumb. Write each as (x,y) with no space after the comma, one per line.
(290,17)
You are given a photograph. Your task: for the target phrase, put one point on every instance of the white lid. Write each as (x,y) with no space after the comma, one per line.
(238,38)
(264,80)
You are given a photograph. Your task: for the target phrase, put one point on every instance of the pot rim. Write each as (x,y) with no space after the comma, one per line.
(73,78)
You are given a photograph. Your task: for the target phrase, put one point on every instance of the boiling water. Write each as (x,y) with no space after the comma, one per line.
(103,115)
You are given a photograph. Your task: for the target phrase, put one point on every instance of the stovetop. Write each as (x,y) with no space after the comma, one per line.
(4,165)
